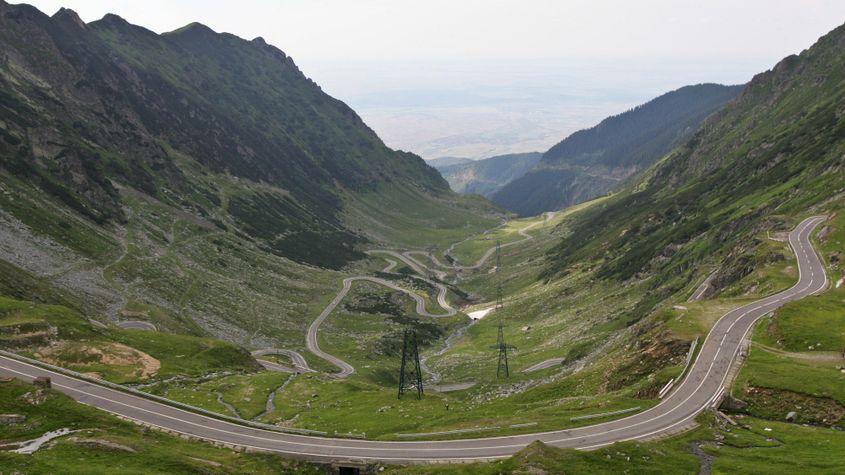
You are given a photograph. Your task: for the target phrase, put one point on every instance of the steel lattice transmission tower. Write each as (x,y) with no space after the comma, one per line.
(410,373)
(503,348)
(501,345)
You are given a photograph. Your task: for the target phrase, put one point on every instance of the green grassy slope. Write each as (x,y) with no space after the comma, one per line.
(104,444)
(64,337)
(796,359)
(764,160)
(757,446)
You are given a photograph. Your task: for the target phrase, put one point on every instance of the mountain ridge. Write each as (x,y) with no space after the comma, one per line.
(596,160)
(777,148)
(183,116)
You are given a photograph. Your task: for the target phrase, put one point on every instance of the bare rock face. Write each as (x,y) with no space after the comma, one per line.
(66,14)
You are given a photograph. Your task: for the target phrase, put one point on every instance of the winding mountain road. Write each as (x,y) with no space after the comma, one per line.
(544,364)
(480,262)
(702,288)
(345,368)
(390,265)
(702,388)
(300,365)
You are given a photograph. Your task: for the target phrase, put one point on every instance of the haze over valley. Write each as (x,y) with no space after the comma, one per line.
(480,109)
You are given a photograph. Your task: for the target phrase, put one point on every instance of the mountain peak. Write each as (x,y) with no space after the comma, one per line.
(279,54)
(192,30)
(111,18)
(120,25)
(261,43)
(66,14)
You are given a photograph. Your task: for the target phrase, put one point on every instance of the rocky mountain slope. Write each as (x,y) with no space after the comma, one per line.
(485,177)
(193,179)
(777,150)
(594,161)
(227,129)
(633,282)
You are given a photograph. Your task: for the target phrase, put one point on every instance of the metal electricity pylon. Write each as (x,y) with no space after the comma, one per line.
(502,347)
(410,374)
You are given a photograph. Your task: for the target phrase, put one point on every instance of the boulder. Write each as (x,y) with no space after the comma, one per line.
(732,404)
(791,416)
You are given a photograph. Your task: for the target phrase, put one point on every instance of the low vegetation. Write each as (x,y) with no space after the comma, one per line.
(102,443)
(754,446)
(61,336)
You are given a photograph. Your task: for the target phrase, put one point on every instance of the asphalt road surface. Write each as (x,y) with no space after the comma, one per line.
(701,389)
(699,292)
(300,365)
(544,364)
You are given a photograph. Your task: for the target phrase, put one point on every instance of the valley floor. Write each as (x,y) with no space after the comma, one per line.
(570,364)
(282,394)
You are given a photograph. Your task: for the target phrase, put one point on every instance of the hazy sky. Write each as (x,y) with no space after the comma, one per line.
(481,77)
(438,29)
